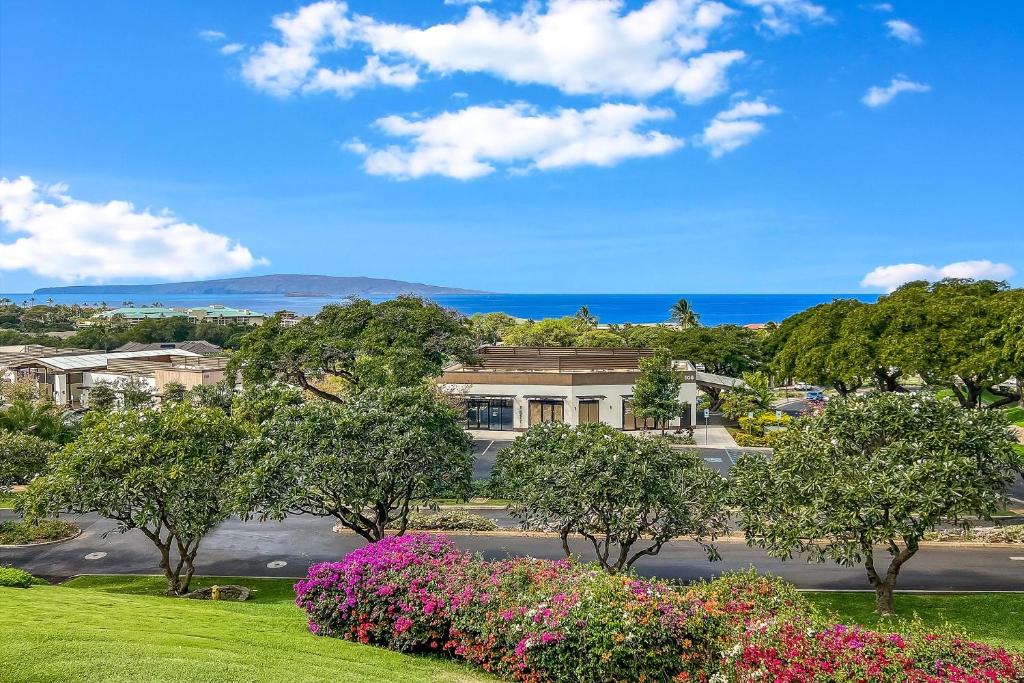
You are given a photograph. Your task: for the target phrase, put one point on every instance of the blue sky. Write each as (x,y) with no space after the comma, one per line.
(571,146)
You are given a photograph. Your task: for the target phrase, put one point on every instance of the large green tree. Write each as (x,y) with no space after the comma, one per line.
(357,345)
(168,473)
(363,461)
(656,389)
(727,350)
(752,396)
(944,332)
(627,496)
(38,418)
(1009,337)
(874,473)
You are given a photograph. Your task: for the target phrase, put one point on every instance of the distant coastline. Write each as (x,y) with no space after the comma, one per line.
(285,285)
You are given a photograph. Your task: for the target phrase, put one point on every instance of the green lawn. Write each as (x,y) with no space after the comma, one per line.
(114,629)
(996,618)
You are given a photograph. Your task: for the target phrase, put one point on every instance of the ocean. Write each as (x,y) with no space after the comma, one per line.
(714,309)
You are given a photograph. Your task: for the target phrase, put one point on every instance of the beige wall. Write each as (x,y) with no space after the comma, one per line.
(187,378)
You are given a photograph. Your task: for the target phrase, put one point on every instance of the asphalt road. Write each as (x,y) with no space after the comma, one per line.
(286,549)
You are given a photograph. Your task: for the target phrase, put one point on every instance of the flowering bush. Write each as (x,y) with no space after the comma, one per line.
(795,650)
(539,620)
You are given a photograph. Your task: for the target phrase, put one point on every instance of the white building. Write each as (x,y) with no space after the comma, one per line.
(512,388)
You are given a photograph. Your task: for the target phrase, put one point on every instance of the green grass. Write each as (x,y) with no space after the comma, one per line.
(22,532)
(996,618)
(120,629)
(7,501)
(1015,414)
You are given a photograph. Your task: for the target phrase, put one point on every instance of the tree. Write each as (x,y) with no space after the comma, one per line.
(219,395)
(812,348)
(359,345)
(168,473)
(615,490)
(683,315)
(551,332)
(656,390)
(754,395)
(102,396)
(873,472)
(42,419)
(1009,336)
(135,394)
(945,332)
(174,392)
(585,320)
(489,328)
(363,461)
(22,457)
(259,403)
(727,350)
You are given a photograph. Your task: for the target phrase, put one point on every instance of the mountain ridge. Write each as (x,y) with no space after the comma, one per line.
(300,285)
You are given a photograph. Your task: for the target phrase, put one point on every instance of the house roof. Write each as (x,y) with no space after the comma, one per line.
(217,311)
(94,361)
(547,359)
(203,348)
(142,312)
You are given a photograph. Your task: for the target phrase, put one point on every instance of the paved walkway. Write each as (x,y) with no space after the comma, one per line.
(714,436)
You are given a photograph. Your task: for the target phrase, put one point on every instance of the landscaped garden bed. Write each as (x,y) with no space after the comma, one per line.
(44,531)
(538,620)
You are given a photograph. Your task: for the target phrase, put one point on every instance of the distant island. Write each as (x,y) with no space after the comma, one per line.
(295,285)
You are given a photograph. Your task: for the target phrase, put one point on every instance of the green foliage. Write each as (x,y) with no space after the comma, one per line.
(42,419)
(753,396)
(756,425)
(450,520)
(102,396)
(219,395)
(167,472)
(656,390)
(363,462)
(683,315)
(39,531)
(135,394)
(174,392)
(11,577)
(22,457)
(877,470)
(361,344)
(260,402)
(489,328)
(614,489)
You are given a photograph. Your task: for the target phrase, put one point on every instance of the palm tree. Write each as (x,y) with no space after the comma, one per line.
(683,315)
(585,318)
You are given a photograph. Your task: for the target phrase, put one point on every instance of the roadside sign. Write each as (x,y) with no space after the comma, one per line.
(778,415)
(707,413)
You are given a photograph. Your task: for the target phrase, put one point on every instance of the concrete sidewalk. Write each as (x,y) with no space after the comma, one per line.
(714,436)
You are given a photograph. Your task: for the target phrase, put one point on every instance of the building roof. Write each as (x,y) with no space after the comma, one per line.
(203,348)
(219,311)
(142,312)
(95,361)
(547,359)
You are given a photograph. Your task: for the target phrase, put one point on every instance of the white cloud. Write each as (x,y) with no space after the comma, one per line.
(61,237)
(212,36)
(882,7)
(343,82)
(890,278)
(878,95)
(905,31)
(577,46)
(783,17)
(476,141)
(232,48)
(735,127)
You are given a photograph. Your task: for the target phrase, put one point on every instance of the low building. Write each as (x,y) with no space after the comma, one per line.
(134,314)
(511,388)
(224,315)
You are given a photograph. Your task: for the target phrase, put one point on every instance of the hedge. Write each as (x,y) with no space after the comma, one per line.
(539,620)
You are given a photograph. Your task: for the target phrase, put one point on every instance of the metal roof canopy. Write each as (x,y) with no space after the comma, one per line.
(97,360)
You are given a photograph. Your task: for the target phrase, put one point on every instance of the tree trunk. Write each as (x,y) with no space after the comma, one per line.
(884,598)
(173,582)
(884,587)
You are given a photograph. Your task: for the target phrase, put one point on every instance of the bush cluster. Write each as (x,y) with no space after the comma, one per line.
(450,520)
(22,532)
(539,620)
(11,577)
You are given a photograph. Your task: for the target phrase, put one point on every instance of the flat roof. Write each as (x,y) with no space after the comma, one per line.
(95,360)
(565,360)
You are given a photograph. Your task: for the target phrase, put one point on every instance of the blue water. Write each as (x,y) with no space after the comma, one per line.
(714,309)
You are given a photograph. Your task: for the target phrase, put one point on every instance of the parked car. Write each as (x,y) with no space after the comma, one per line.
(802,386)
(816,395)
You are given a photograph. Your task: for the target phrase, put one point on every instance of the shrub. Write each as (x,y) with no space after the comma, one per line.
(18,578)
(984,534)
(20,533)
(798,650)
(450,520)
(756,425)
(539,620)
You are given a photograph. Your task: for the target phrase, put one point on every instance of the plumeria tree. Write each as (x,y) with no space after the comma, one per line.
(22,457)
(873,474)
(168,473)
(363,461)
(627,496)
